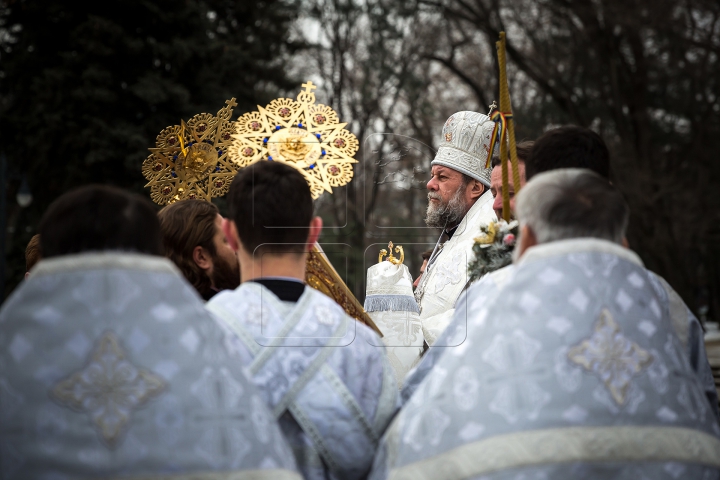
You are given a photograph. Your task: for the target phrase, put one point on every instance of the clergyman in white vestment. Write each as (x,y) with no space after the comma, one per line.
(459,202)
(317,369)
(571,146)
(571,369)
(110,367)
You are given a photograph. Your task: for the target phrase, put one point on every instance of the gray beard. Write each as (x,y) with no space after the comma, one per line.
(446,215)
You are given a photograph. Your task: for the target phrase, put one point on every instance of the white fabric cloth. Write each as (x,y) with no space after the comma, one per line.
(573,369)
(683,321)
(446,277)
(324,375)
(390,303)
(110,367)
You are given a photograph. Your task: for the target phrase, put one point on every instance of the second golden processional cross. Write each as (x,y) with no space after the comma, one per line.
(198,159)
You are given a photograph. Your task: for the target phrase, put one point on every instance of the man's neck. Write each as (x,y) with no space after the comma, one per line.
(289,265)
(451,230)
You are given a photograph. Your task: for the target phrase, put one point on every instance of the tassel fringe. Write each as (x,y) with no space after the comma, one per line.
(384,303)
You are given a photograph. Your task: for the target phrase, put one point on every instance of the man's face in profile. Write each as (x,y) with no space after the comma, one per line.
(496,187)
(225,272)
(448,197)
(422,271)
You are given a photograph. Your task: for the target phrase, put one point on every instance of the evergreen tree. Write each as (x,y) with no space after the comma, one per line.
(86,87)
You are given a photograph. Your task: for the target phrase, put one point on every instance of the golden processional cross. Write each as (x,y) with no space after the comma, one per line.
(199,158)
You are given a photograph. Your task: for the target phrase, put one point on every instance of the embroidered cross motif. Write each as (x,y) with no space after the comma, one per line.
(222,443)
(449,273)
(611,356)
(109,388)
(407,330)
(325,315)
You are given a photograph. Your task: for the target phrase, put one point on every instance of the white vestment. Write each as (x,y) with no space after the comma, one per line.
(390,303)
(683,321)
(324,375)
(573,369)
(111,368)
(447,275)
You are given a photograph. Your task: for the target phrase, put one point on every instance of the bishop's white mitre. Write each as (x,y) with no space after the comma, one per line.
(466,144)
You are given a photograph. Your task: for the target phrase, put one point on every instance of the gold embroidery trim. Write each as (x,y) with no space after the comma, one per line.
(567,445)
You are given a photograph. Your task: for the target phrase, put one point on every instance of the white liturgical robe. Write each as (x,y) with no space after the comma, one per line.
(390,303)
(321,373)
(572,369)
(110,367)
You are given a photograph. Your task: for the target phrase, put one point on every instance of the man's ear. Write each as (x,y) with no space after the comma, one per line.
(314,232)
(202,258)
(476,189)
(230,230)
(527,240)
(625,242)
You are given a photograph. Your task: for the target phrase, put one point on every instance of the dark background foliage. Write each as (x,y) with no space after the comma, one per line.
(86,87)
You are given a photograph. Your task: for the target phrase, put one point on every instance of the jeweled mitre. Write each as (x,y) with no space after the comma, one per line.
(465,147)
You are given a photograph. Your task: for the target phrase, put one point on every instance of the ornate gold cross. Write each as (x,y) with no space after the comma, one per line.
(309,87)
(492,107)
(391,258)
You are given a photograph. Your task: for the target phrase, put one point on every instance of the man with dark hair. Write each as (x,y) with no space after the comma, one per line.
(110,365)
(32,253)
(194,240)
(99,218)
(574,369)
(569,146)
(332,403)
(496,188)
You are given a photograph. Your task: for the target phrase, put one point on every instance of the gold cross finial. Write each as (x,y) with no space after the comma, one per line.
(390,257)
(309,87)
(492,106)
(231,102)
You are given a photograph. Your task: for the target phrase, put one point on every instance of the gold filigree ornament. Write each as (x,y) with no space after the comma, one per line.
(390,257)
(305,135)
(612,356)
(191,160)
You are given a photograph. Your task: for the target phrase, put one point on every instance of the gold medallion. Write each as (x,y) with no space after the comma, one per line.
(305,135)
(190,160)
(295,145)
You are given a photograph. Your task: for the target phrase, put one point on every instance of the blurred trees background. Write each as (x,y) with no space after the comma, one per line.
(85,88)
(83,92)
